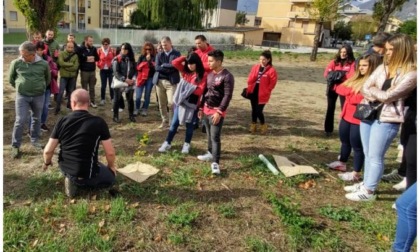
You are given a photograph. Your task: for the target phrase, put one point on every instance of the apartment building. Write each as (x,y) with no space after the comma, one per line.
(288,22)
(77,15)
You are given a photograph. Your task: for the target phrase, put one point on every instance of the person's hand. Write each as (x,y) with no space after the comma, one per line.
(45,166)
(216,118)
(113,169)
(90,59)
(148,57)
(129,82)
(200,114)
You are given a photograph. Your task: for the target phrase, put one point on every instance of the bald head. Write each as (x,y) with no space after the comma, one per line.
(79,99)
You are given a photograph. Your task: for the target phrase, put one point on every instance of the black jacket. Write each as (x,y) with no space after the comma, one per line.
(164,68)
(123,68)
(83,53)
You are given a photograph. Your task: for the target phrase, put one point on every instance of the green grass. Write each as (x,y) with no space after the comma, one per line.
(256,244)
(183,216)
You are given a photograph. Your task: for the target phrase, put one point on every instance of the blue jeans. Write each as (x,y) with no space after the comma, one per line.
(174,126)
(350,139)
(147,87)
(213,132)
(106,75)
(407,220)
(22,106)
(104,178)
(68,84)
(46,104)
(376,138)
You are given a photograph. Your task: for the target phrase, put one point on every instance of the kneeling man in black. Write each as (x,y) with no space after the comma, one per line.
(79,135)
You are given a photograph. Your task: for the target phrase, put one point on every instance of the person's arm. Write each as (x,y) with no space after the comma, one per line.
(49,152)
(178,63)
(330,67)
(229,82)
(12,74)
(201,86)
(371,81)
(96,55)
(252,77)
(109,154)
(272,74)
(343,90)
(405,85)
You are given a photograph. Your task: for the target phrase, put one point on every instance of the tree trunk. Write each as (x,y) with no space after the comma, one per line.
(316,39)
(384,20)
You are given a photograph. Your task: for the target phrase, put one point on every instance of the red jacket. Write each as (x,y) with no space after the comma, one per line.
(350,103)
(349,68)
(105,59)
(268,81)
(190,77)
(205,57)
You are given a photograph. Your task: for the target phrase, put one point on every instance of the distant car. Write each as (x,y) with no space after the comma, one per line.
(348,42)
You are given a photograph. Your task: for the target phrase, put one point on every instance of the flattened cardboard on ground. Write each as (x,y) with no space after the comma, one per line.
(138,172)
(289,169)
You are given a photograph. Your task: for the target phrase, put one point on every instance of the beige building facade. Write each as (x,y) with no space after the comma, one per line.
(288,22)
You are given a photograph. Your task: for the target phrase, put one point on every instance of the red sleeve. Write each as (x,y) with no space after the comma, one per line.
(273,78)
(350,73)
(200,87)
(330,67)
(141,65)
(177,63)
(252,77)
(355,98)
(343,90)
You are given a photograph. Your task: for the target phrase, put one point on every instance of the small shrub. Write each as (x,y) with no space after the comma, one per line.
(183,216)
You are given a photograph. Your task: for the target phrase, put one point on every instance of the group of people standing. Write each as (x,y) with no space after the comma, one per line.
(385,77)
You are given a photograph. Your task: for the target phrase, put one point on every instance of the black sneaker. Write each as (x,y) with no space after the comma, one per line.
(69,188)
(44,128)
(132,119)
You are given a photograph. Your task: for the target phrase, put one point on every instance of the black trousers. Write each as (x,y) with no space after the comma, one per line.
(408,128)
(329,117)
(118,98)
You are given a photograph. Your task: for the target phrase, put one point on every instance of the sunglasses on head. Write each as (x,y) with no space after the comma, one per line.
(147,49)
(105,44)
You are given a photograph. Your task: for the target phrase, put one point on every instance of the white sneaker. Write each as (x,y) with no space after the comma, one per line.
(337,165)
(394,206)
(102,102)
(143,112)
(93,105)
(215,169)
(206,157)
(136,112)
(361,195)
(353,188)
(185,148)
(401,186)
(165,147)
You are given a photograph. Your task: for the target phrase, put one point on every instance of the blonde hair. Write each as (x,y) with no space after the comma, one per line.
(357,80)
(403,56)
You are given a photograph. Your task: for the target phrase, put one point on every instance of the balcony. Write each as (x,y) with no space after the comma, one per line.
(66,8)
(298,15)
(81,10)
(105,12)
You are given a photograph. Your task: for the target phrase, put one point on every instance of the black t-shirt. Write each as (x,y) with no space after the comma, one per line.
(79,135)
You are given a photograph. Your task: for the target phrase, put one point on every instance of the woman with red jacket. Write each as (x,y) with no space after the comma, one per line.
(344,61)
(349,128)
(261,81)
(106,54)
(145,71)
(194,80)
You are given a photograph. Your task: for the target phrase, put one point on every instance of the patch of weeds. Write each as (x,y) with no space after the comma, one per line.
(227,210)
(183,216)
(19,226)
(339,214)
(120,211)
(256,244)
(182,177)
(143,141)
(321,145)
(327,239)
(162,160)
(80,211)
(258,169)
(177,238)
(291,147)
(89,237)
(37,184)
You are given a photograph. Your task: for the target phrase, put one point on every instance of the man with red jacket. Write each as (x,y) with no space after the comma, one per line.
(203,49)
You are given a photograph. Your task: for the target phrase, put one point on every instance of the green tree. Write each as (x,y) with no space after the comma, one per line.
(322,11)
(40,15)
(383,9)
(175,14)
(409,27)
(342,30)
(361,26)
(241,18)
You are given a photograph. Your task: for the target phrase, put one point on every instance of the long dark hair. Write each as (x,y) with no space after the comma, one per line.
(130,53)
(350,56)
(193,58)
(267,54)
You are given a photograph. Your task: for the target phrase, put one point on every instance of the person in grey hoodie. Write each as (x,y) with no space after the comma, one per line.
(29,75)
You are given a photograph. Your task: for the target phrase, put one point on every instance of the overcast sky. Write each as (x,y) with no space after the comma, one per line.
(248,5)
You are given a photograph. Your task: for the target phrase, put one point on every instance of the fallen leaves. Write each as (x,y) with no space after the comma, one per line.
(307,184)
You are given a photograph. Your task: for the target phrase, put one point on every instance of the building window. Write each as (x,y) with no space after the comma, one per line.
(88,4)
(257,21)
(305,26)
(88,20)
(13,16)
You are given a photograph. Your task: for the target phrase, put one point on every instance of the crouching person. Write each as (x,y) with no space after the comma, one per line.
(79,135)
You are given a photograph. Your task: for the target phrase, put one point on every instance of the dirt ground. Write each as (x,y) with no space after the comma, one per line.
(295,115)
